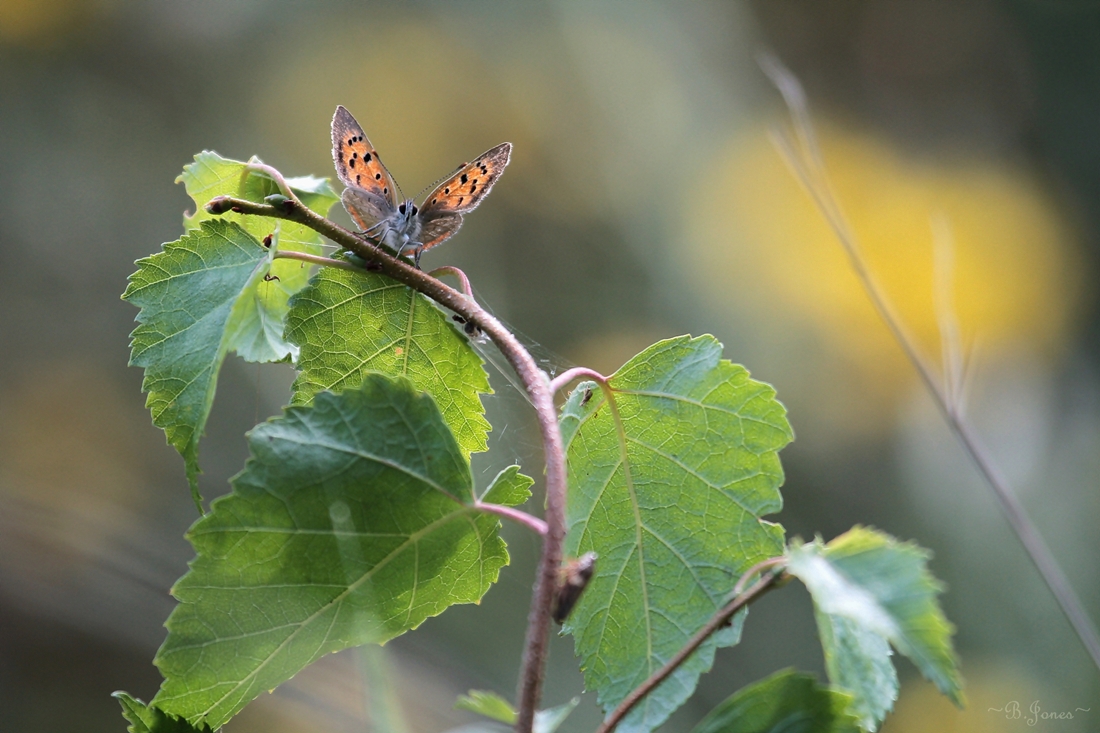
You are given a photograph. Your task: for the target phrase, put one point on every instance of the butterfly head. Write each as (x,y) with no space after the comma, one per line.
(372,200)
(402,228)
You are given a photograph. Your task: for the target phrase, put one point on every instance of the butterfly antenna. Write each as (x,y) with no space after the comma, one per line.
(401,194)
(439,180)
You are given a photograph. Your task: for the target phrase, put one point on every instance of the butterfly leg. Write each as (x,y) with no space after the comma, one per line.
(370,235)
(417,249)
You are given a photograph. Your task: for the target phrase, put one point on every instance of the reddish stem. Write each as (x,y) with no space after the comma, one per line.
(718,621)
(529,521)
(534,383)
(451,270)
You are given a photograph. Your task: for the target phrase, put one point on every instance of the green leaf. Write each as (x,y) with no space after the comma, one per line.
(668,486)
(786,702)
(489,704)
(193,297)
(550,719)
(351,523)
(858,660)
(263,316)
(149,719)
(869,589)
(349,324)
(495,707)
(510,488)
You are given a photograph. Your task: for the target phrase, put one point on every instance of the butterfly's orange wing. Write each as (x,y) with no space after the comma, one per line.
(442,210)
(371,194)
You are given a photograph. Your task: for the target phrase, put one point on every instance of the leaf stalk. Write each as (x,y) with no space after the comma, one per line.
(719,620)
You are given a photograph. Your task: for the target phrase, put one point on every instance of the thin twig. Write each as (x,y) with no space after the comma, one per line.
(576,373)
(718,621)
(529,521)
(535,384)
(452,270)
(755,570)
(256,166)
(289,254)
(810,171)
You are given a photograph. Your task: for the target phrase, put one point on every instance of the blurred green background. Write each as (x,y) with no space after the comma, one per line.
(644,200)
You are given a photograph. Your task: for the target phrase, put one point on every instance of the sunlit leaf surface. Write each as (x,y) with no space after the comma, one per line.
(193,298)
(668,487)
(871,591)
(263,316)
(349,324)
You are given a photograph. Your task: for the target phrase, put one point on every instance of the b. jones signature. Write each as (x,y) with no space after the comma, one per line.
(1035,712)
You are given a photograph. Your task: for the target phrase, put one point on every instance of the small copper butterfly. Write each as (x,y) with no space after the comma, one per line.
(371,194)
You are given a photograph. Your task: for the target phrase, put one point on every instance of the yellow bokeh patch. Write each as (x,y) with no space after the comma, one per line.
(764,246)
(43,23)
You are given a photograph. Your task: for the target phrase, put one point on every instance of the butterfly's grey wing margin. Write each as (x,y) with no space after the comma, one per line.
(438,229)
(365,207)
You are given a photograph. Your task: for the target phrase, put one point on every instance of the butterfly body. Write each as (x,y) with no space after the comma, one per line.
(399,230)
(371,196)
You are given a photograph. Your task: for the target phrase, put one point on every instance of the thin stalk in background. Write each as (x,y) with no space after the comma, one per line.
(804,158)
